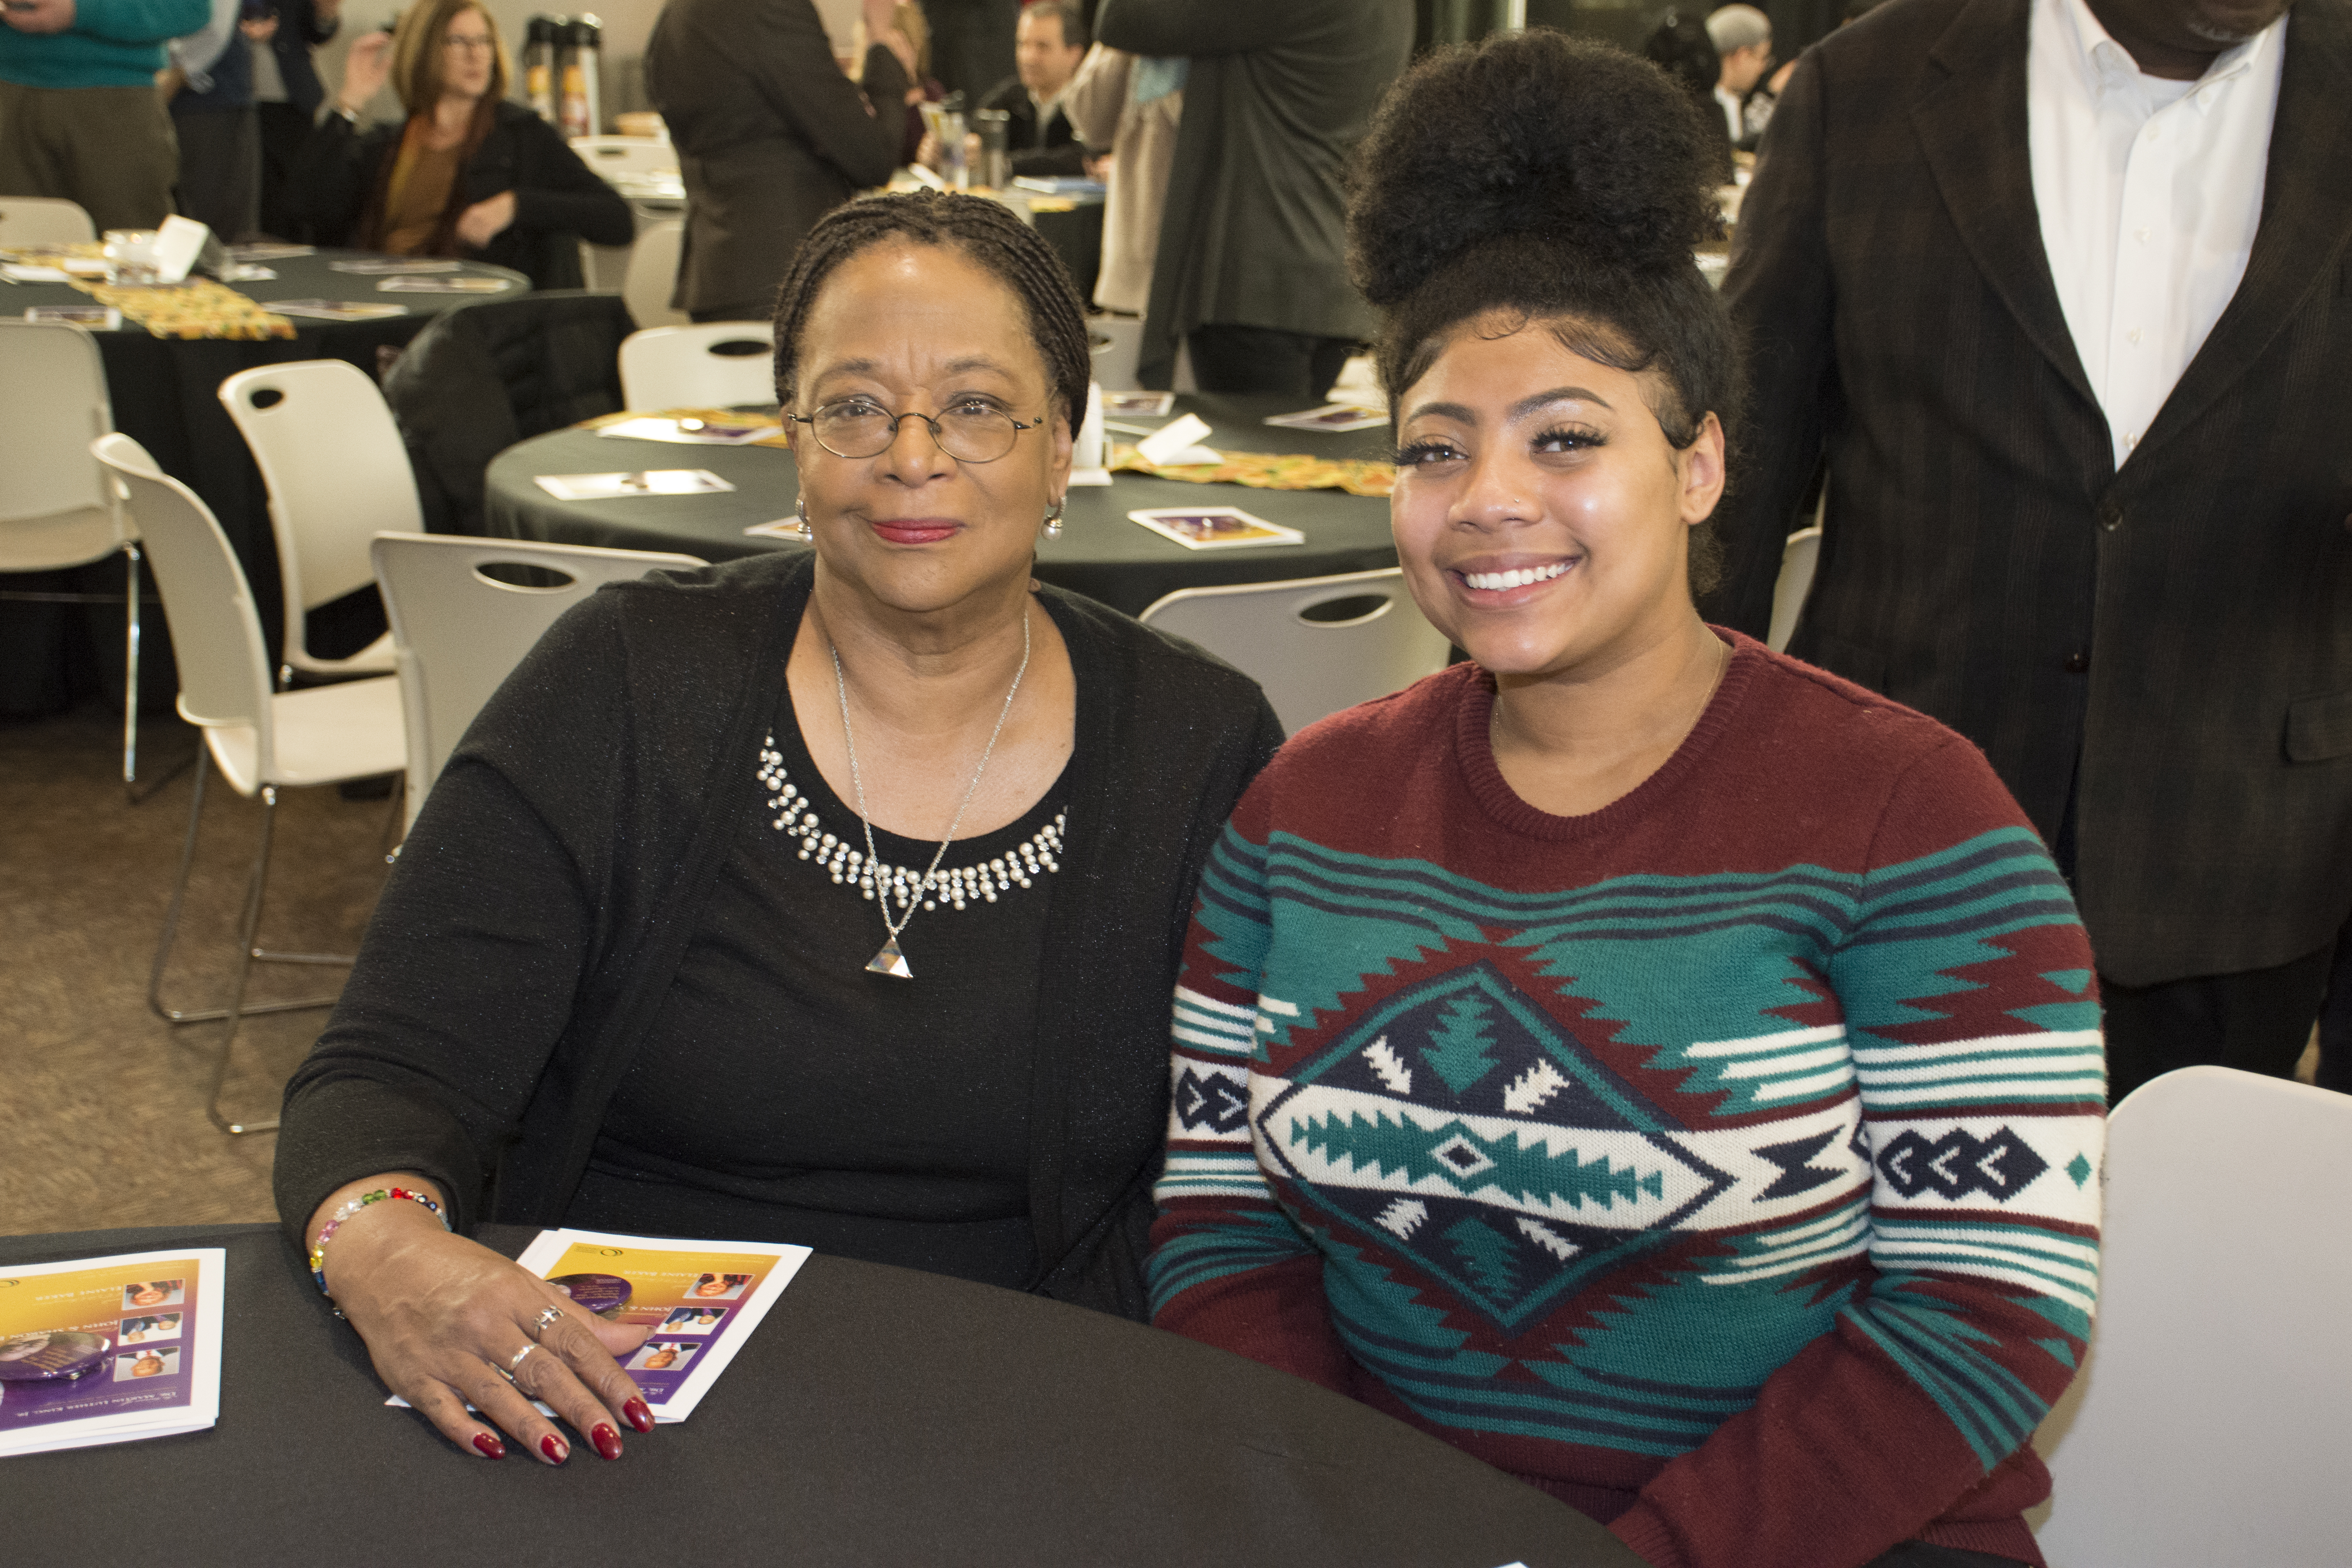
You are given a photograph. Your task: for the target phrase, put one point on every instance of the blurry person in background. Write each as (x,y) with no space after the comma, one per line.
(465,173)
(1133,104)
(769,134)
(1051,41)
(80,119)
(1251,274)
(1742,36)
(286,92)
(210,80)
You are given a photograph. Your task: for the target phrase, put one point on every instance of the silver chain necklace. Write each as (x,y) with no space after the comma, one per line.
(889,960)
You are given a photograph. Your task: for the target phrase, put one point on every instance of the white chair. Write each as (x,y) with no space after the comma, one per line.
(338,475)
(715,365)
(612,156)
(1798,558)
(1116,354)
(2212,1422)
(44,220)
(261,742)
(1309,663)
(459,631)
(652,276)
(57,508)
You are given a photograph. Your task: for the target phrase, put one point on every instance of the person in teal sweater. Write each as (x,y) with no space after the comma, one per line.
(79,115)
(1650,1064)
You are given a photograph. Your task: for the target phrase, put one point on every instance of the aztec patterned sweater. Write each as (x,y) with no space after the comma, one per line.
(1724,1161)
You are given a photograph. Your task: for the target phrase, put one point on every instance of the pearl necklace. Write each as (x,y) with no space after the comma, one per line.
(889,960)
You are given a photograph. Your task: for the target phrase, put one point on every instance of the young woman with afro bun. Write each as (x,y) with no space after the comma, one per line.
(1652,1064)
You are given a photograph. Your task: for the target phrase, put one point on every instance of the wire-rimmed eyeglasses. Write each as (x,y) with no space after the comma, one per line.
(969,432)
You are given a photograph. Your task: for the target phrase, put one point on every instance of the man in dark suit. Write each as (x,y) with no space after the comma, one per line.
(1048,45)
(770,136)
(2068,314)
(286,95)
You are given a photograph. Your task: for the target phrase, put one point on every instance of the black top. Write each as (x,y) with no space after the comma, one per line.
(787,1093)
(558,200)
(520,956)
(1050,149)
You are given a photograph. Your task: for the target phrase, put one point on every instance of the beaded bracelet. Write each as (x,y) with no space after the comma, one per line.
(318,1247)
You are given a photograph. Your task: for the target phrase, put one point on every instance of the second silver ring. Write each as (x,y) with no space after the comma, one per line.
(515,1363)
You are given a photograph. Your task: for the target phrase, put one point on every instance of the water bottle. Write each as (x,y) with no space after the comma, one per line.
(539,64)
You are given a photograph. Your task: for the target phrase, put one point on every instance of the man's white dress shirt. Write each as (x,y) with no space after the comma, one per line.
(2149,191)
(1734,121)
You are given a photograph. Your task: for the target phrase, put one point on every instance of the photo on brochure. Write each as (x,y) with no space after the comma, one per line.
(1214,527)
(1333,416)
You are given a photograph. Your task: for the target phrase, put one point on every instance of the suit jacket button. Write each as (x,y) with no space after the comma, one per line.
(2111,515)
(2078,661)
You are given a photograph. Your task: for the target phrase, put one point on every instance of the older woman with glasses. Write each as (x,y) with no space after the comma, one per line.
(831,897)
(466,173)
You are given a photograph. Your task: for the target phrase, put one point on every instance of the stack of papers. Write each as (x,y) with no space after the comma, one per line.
(107,1350)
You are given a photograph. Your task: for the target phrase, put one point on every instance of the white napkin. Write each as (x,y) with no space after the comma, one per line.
(1173,446)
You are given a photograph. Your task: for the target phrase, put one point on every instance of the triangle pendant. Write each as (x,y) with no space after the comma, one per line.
(890,961)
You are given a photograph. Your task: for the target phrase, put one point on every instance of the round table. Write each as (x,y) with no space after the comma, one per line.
(877,1416)
(162,390)
(1100,553)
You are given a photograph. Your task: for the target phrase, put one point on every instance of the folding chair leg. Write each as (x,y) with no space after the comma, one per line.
(246,929)
(131,664)
(247,952)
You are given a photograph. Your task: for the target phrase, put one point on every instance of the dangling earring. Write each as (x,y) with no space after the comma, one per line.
(1053,522)
(800,511)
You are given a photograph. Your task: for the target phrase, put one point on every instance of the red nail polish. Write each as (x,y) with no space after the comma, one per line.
(489,1446)
(553,1447)
(607,1441)
(640,1414)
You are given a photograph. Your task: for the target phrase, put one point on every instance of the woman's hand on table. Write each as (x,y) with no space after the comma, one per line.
(367,66)
(446,1321)
(486,220)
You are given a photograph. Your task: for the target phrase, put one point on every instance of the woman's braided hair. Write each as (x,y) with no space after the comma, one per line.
(981,229)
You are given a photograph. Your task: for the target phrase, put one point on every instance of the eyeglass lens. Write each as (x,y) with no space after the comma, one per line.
(970,433)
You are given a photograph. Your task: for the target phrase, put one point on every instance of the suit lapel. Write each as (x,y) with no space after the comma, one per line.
(2307,212)
(1971,129)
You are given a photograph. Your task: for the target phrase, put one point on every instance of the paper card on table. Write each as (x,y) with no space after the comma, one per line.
(1152,405)
(1330,417)
(269,250)
(334,310)
(1173,446)
(373,267)
(246,272)
(1214,527)
(33,272)
(781,527)
(178,242)
(649,482)
(107,1350)
(443,284)
(97,317)
(711,429)
(701,1300)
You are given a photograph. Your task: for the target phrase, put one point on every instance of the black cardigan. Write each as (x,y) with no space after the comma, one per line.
(503,986)
(558,200)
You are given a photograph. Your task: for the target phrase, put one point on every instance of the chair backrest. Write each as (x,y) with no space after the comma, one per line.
(715,365)
(337,472)
(456,633)
(2212,1422)
(216,635)
(652,276)
(1116,357)
(44,220)
(1284,636)
(481,377)
(53,404)
(611,155)
(1790,590)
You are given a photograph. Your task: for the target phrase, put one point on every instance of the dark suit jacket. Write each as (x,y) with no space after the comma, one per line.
(770,136)
(2181,628)
(1053,150)
(299,29)
(1278,97)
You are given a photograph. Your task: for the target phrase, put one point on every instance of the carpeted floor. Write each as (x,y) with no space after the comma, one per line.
(101,1120)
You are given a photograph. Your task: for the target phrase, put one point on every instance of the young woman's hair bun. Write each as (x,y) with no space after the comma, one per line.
(1542,137)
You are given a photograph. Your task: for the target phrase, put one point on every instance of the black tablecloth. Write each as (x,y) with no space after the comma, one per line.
(164,392)
(877,1417)
(1100,553)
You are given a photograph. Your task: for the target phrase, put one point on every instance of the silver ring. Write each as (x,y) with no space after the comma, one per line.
(515,1363)
(546,1316)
